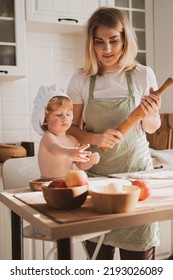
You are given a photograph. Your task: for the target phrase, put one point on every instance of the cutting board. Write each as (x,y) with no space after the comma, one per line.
(159,197)
(87,211)
(36,201)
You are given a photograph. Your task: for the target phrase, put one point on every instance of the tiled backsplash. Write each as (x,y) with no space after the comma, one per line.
(51,58)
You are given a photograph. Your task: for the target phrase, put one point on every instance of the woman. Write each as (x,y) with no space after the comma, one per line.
(104,92)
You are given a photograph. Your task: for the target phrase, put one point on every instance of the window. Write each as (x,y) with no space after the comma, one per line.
(135,10)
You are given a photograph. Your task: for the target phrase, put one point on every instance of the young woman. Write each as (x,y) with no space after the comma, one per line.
(104,92)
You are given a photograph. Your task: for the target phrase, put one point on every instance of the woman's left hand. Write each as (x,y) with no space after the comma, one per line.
(151,104)
(94,158)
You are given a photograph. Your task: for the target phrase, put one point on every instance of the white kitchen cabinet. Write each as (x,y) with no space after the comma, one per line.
(66,14)
(12,39)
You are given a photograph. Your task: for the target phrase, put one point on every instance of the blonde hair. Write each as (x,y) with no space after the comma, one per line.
(53,104)
(113,18)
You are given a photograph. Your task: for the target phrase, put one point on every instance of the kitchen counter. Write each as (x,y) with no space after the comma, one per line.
(83,220)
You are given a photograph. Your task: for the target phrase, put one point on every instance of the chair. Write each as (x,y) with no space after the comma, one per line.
(162,139)
(16,173)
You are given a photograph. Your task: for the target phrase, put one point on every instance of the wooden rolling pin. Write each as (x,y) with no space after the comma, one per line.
(137,114)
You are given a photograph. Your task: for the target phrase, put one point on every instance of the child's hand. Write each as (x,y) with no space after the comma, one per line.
(79,154)
(94,158)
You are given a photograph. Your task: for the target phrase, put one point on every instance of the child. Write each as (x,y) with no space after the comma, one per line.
(52,117)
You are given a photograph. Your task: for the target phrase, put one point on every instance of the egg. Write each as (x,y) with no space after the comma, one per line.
(113,188)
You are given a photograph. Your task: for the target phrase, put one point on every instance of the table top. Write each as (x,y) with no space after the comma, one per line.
(156,208)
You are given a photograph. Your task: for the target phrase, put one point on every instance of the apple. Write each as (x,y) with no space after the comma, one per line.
(76,178)
(145,190)
(57,184)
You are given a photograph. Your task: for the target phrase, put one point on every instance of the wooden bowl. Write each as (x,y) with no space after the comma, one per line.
(65,198)
(8,151)
(124,201)
(37,184)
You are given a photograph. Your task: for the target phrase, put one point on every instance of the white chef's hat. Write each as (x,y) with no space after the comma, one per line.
(40,103)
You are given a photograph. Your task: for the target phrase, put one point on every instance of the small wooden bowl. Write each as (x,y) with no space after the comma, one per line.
(65,198)
(37,184)
(8,151)
(125,201)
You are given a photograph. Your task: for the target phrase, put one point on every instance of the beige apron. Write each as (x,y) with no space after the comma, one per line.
(131,154)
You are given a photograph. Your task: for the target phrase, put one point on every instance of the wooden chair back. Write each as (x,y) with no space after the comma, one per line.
(162,139)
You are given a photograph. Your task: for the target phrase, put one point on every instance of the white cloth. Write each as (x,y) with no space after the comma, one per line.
(40,102)
(112,85)
(164,156)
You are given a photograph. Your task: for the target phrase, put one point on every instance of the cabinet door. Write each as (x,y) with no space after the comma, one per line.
(73,12)
(12,39)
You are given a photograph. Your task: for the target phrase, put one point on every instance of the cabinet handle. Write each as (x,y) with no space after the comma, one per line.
(68,19)
(4,71)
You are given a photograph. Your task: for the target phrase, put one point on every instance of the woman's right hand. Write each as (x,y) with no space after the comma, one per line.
(109,138)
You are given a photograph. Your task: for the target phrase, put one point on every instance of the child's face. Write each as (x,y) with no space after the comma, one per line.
(59,120)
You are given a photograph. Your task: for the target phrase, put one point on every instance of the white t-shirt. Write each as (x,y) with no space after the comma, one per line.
(112,85)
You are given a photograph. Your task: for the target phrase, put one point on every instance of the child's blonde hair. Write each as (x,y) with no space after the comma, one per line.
(53,104)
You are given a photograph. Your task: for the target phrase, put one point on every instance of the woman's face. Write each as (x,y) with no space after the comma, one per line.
(108,46)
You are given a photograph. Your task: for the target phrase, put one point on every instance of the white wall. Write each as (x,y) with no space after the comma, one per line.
(51,58)
(163,48)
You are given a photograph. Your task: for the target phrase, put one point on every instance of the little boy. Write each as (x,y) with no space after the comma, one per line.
(52,117)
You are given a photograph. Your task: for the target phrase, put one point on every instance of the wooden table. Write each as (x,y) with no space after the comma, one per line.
(83,220)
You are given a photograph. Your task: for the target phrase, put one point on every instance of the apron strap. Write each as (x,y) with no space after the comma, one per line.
(91,86)
(129,83)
